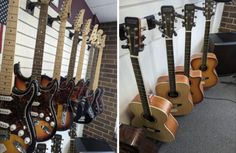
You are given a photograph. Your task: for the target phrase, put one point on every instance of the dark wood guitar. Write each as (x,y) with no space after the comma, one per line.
(17,132)
(41,148)
(43,113)
(206,62)
(133,140)
(151,113)
(173,87)
(56,144)
(195,76)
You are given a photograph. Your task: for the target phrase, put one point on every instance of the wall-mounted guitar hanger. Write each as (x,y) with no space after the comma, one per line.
(52,19)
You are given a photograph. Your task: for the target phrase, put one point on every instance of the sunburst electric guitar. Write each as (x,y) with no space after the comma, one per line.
(195,76)
(175,88)
(17,132)
(150,112)
(43,113)
(206,62)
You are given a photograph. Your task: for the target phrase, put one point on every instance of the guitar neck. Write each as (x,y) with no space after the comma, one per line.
(141,87)
(90,62)
(187,53)
(73,56)
(206,42)
(72,146)
(81,59)
(6,74)
(92,70)
(39,47)
(171,65)
(59,53)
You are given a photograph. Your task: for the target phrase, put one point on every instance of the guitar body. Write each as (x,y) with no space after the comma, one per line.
(62,104)
(45,124)
(77,91)
(165,125)
(209,75)
(20,107)
(98,104)
(182,104)
(196,83)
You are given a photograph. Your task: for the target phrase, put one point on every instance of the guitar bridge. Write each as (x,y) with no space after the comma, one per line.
(19,147)
(151,130)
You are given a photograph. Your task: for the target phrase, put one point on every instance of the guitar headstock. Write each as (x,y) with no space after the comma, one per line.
(93,36)
(45,1)
(86,28)
(133,35)
(209,9)
(168,19)
(41,148)
(72,133)
(79,20)
(65,10)
(57,141)
(189,10)
(103,41)
(99,37)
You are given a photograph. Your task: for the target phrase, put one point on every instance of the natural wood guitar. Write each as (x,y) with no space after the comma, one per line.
(17,133)
(173,87)
(151,113)
(43,113)
(195,76)
(206,62)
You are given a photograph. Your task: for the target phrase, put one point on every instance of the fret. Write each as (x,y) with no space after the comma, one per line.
(73,56)
(59,52)
(206,42)
(187,53)
(141,87)
(81,59)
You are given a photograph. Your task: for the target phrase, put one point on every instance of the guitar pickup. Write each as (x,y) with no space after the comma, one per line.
(64,113)
(34,114)
(19,147)
(46,129)
(5,111)
(35,103)
(6,98)
(4,125)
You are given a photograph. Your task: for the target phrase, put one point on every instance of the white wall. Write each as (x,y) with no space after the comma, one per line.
(153,59)
(25,43)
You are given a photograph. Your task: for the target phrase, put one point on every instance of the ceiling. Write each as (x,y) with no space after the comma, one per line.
(105,10)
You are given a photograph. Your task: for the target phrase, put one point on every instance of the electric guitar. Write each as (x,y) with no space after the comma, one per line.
(175,88)
(62,100)
(43,113)
(195,76)
(41,148)
(151,113)
(206,62)
(73,135)
(17,132)
(56,144)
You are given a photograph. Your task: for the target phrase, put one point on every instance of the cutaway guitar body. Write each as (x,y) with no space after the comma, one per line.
(182,101)
(20,133)
(164,125)
(43,115)
(195,82)
(209,75)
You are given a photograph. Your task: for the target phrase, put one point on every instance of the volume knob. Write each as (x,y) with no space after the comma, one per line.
(52,124)
(13,127)
(47,119)
(21,133)
(27,140)
(41,115)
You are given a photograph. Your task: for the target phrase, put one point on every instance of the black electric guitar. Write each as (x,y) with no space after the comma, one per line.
(41,148)
(17,132)
(56,143)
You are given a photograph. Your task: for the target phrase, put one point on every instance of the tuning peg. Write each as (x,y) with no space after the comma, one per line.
(125,46)
(195,17)
(141,47)
(143,37)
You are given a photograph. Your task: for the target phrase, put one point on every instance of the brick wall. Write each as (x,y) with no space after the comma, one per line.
(228,21)
(103,126)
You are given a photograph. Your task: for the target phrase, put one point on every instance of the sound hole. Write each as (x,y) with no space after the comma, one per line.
(149,118)
(203,68)
(173,94)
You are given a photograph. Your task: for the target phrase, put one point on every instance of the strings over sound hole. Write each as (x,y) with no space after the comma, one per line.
(173,94)
(203,68)
(149,118)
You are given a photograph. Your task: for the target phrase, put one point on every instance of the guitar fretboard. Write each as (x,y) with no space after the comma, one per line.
(73,56)
(93,61)
(206,43)
(187,53)
(6,74)
(59,53)
(141,87)
(90,62)
(98,67)
(39,47)
(171,65)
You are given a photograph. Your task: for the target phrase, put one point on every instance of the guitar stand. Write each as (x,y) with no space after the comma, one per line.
(30,6)
(51,20)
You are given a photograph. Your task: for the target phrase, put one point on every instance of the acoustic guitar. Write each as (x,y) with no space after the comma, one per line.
(43,113)
(173,87)
(17,132)
(62,100)
(151,113)
(195,76)
(206,62)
